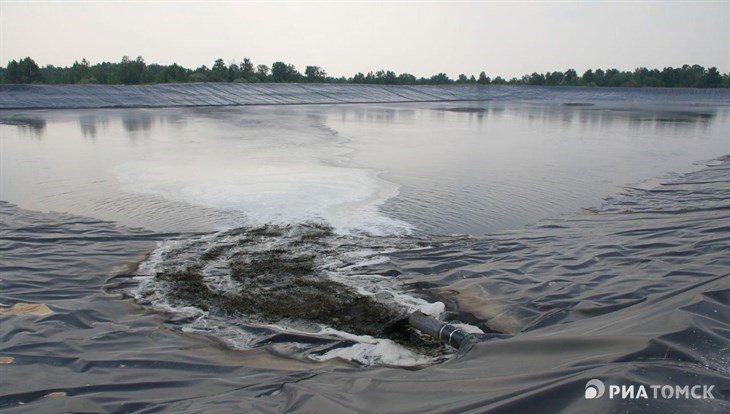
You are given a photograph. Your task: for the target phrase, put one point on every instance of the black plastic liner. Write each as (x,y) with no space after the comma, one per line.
(221,94)
(636,292)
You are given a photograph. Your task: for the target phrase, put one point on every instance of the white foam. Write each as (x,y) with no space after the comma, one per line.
(272,179)
(372,351)
(385,288)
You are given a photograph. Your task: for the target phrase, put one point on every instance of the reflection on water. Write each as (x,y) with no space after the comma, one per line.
(90,123)
(381,115)
(479,167)
(596,118)
(588,115)
(25,123)
(134,121)
(455,168)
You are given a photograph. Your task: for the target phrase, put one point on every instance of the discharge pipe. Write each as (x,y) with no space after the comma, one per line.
(447,334)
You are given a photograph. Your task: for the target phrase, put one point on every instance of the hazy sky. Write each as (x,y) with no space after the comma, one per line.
(423,38)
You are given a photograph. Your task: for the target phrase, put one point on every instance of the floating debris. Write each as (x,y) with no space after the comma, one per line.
(467,109)
(57,394)
(578,104)
(37,309)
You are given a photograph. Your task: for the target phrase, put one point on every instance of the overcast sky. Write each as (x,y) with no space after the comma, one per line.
(423,38)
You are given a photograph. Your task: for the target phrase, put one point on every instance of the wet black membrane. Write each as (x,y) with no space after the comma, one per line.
(635,292)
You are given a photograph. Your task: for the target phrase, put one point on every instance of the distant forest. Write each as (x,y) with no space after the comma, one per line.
(137,71)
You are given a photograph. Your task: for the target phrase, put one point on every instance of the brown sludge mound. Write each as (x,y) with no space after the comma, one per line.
(277,279)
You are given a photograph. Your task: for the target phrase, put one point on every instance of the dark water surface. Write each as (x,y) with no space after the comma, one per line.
(157,288)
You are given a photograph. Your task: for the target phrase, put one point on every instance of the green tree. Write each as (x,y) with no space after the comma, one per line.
(262,71)
(315,74)
(137,71)
(600,77)
(247,69)
(390,78)
(405,79)
(570,77)
(130,71)
(553,78)
(588,77)
(281,72)
(201,74)
(645,77)
(534,79)
(24,71)
(484,79)
(440,79)
(176,73)
(106,72)
(219,71)
(712,78)
(613,77)
(12,73)
(80,72)
(372,77)
(233,72)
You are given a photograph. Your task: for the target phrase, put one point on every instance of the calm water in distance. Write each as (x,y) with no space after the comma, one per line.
(436,168)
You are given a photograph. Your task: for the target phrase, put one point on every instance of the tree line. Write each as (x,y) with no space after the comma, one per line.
(137,71)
